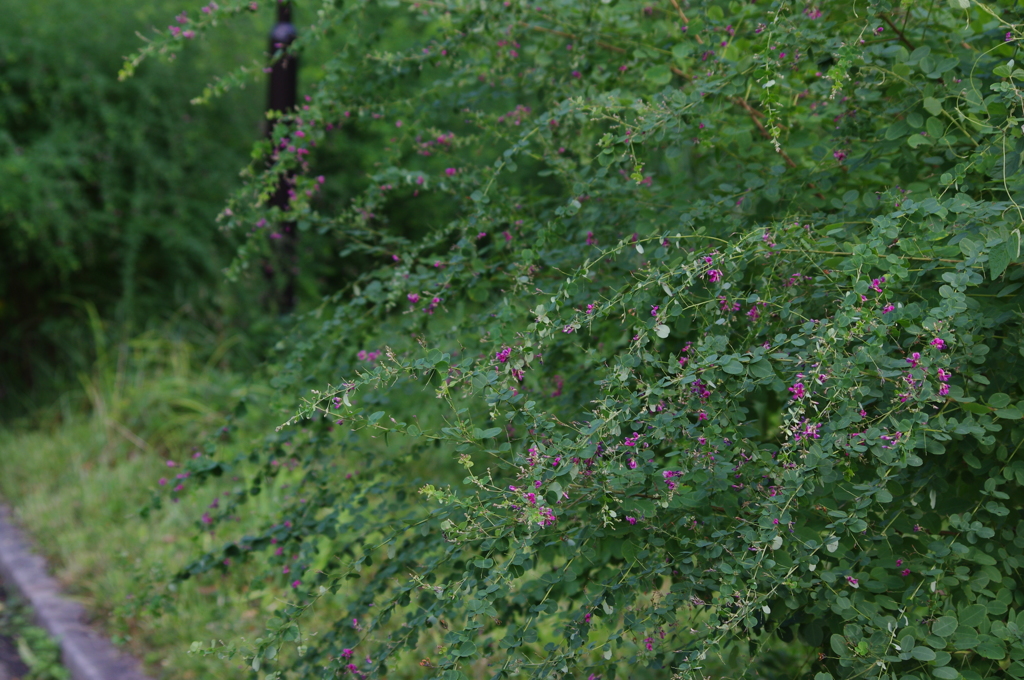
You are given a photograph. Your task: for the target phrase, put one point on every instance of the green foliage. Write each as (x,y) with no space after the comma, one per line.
(110,189)
(36,649)
(76,479)
(722,338)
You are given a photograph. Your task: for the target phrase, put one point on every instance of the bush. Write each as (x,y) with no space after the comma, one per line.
(723,339)
(110,190)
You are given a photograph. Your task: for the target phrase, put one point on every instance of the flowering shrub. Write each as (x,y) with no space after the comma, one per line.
(723,335)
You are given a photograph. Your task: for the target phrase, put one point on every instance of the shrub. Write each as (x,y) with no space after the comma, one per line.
(723,339)
(110,190)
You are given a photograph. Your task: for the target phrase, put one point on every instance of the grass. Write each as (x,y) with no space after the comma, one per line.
(38,653)
(78,476)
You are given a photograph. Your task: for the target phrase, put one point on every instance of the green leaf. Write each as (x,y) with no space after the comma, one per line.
(682,50)
(734,367)
(897,130)
(917,140)
(998,260)
(932,106)
(973,615)
(374,417)
(661,330)
(999,400)
(922,653)
(838,643)
(658,75)
(762,368)
(467,648)
(991,649)
(945,673)
(945,626)
(490,432)
(1012,413)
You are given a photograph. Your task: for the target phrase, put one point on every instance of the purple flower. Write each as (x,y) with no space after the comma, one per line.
(914,359)
(503,355)
(938,343)
(797,390)
(714,275)
(654,310)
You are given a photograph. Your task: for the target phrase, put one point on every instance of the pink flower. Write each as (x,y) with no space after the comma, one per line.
(852,581)
(914,359)
(714,275)
(577,74)
(887,309)
(654,310)
(797,390)
(938,343)
(905,572)
(171,463)
(631,520)
(413,297)
(943,375)
(450,172)
(296,583)
(943,389)
(839,155)
(163,481)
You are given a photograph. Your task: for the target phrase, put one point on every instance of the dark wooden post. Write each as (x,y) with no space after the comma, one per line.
(284,78)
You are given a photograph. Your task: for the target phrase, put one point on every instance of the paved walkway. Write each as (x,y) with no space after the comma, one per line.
(87,654)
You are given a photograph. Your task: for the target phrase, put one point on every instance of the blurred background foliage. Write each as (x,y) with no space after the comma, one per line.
(110,189)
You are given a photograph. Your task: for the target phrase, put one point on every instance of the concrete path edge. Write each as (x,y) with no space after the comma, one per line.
(85,653)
